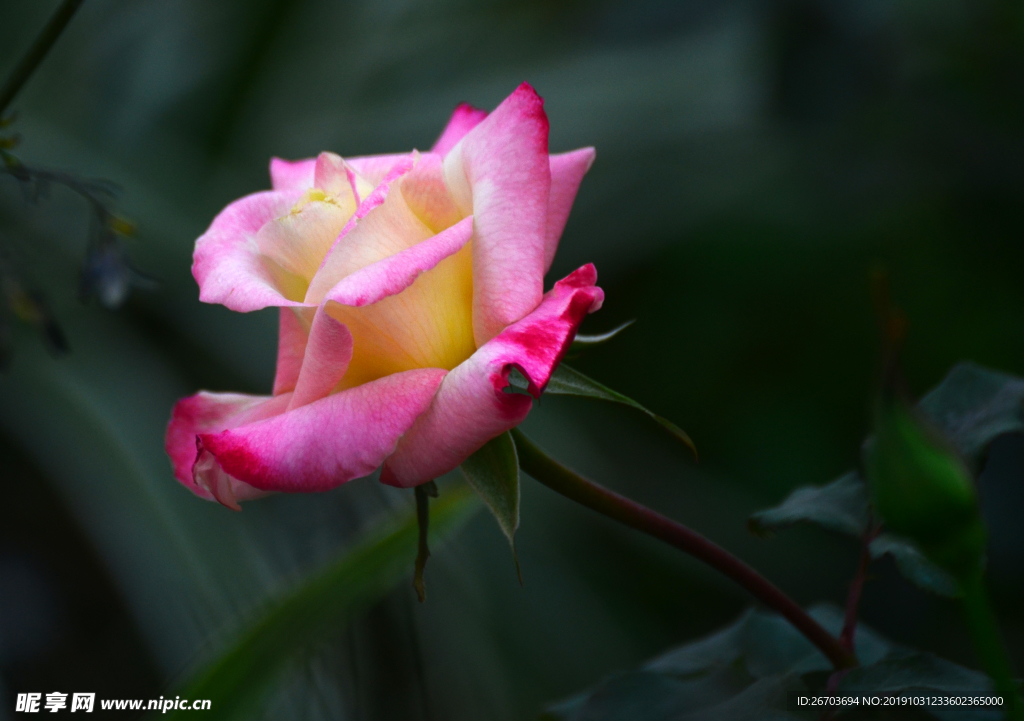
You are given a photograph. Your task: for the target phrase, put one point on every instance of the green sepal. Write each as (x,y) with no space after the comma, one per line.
(567,381)
(493,472)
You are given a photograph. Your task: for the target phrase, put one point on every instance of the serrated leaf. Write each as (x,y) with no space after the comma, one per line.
(914,565)
(567,381)
(840,506)
(973,406)
(493,472)
(582,342)
(241,677)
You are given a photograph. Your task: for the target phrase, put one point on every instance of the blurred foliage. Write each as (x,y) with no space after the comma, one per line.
(755,160)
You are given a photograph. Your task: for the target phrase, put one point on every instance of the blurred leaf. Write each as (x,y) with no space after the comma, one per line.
(840,506)
(904,672)
(658,697)
(753,667)
(914,566)
(567,381)
(242,677)
(493,472)
(582,342)
(973,406)
(746,670)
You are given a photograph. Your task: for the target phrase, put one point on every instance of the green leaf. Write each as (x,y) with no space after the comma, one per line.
(904,672)
(746,670)
(753,668)
(840,506)
(914,565)
(582,342)
(973,406)
(493,472)
(567,381)
(239,680)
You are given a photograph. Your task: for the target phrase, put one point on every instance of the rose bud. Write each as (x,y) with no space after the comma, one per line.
(410,286)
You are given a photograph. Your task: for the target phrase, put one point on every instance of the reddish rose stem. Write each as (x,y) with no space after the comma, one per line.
(585,492)
(856,591)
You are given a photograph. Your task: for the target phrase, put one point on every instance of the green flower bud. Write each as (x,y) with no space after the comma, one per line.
(923,490)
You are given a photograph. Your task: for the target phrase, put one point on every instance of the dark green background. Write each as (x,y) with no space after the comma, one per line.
(755,162)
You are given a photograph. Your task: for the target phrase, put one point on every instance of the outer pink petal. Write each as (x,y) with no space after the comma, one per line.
(567,171)
(499,173)
(206,412)
(291,346)
(395,273)
(472,406)
(328,442)
(292,176)
(464,119)
(226,262)
(328,353)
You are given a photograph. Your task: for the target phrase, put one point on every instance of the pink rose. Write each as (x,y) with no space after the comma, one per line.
(409,286)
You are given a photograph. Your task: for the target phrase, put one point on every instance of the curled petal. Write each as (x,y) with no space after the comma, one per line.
(328,353)
(427,195)
(499,173)
(472,405)
(409,310)
(464,119)
(292,176)
(227,264)
(210,412)
(381,226)
(328,442)
(291,345)
(393,274)
(567,171)
(293,246)
(376,168)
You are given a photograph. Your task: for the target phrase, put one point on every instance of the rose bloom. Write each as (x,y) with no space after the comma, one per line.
(410,286)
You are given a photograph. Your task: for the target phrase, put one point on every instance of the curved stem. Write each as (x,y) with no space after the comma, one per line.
(577,488)
(30,61)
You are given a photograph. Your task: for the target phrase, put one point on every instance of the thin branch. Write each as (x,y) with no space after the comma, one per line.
(846,637)
(31,60)
(577,488)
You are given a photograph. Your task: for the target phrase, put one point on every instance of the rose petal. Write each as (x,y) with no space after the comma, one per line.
(227,264)
(409,310)
(328,353)
(291,345)
(292,176)
(471,406)
(293,246)
(567,171)
(210,412)
(328,442)
(375,168)
(464,119)
(340,180)
(499,173)
(382,226)
(394,273)
(427,195)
